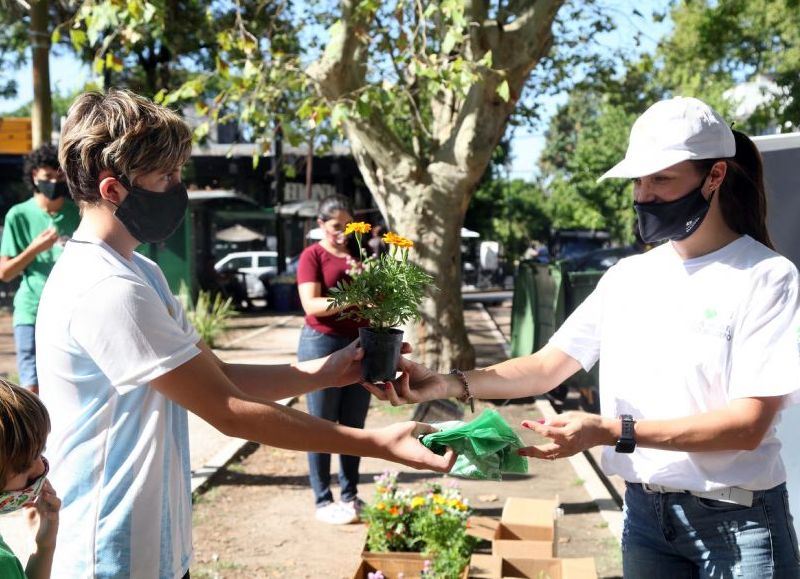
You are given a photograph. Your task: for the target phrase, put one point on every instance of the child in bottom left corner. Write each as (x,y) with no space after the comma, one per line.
(24,426)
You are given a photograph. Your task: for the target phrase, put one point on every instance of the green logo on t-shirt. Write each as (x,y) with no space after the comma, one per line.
(710,313)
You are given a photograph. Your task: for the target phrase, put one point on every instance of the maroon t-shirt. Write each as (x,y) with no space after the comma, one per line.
(317,265)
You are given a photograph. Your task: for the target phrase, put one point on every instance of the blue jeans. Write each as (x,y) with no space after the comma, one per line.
(25,340)
(348,406)
(677,535)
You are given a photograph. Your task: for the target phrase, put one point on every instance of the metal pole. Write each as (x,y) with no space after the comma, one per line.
(280,181)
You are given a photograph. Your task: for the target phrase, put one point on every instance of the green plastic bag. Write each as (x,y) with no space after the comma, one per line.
(486,447)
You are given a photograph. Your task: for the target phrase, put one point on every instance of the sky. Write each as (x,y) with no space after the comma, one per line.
(67,74)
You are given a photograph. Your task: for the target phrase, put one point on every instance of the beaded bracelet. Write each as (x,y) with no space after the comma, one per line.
(466,398)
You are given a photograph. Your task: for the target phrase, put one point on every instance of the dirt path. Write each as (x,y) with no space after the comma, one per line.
(8,357)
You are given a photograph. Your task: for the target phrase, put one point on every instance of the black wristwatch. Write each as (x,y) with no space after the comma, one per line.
(626,442)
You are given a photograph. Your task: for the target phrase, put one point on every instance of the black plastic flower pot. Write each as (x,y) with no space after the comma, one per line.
(381,353)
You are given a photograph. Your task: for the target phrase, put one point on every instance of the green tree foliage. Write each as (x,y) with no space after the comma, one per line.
(712,47)
(509,211)
(586,137)
(715,45)
(513,212)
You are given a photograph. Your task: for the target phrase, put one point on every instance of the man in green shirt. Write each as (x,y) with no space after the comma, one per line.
(33,237)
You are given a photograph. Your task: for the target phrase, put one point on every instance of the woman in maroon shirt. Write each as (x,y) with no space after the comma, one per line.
(321,266)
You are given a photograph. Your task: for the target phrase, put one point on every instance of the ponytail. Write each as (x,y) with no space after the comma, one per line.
(742,195)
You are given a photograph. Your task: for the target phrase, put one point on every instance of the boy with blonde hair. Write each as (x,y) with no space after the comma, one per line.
(24,425)
(124,364)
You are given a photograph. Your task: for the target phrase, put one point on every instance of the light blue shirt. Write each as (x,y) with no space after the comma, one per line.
(119,449)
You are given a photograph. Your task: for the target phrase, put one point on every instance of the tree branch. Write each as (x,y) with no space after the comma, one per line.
(528,37)
(516,49)
(340,72)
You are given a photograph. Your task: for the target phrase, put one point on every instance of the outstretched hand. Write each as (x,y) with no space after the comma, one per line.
(569,433)
(401,441)
(344,366)
(416,384)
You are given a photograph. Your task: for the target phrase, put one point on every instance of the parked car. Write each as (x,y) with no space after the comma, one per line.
(253,266)
(599,259)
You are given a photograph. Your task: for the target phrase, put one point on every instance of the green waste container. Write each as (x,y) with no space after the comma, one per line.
(544,296)
(538,306)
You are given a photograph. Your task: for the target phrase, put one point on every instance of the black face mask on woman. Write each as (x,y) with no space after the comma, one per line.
(152,216)
(673,220)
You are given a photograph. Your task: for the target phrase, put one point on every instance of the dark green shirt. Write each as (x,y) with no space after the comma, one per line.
(24,221)
(10,567)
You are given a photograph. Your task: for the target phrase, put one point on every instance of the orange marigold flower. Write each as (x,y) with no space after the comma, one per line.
(357,227)
(393,239)
(390,237)
(438,510)
(394,511)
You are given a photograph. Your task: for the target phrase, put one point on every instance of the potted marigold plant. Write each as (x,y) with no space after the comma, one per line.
(386,291)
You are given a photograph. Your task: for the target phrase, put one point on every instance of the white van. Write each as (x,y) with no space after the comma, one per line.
(253,265)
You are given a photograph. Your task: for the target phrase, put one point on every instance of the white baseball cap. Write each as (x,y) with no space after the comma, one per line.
(671,131)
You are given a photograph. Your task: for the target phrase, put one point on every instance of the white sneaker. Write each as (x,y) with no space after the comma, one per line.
(353,507)
(335,514)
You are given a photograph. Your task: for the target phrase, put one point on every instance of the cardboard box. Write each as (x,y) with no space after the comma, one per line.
(511,549)
(529,519)
(392,565)
(494,567)
(482,566)
(527,528)
(544,568)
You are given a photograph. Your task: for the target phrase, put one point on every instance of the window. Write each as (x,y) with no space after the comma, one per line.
(267,261)
(237,263)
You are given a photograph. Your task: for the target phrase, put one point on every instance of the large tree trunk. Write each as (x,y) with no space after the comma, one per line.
(42,110)
(424,211)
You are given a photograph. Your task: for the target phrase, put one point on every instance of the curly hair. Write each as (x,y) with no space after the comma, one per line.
(121,132)
(44,156)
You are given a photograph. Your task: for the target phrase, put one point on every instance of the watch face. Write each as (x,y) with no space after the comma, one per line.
(625,446)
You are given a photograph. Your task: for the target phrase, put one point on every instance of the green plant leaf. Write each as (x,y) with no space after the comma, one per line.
(503,90)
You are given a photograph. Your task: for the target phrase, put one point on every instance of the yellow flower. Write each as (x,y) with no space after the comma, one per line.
(439,499)
(417,502)
(393,239)
(380,506)
(438,510)
(357,227)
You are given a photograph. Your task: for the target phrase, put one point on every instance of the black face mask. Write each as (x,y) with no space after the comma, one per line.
(674,220)
(52,189)
(150,216)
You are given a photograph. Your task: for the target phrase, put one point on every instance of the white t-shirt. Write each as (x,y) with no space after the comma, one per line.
(678,338)
(119,450)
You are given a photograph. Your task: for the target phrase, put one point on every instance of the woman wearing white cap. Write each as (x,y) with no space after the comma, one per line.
(699,346)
